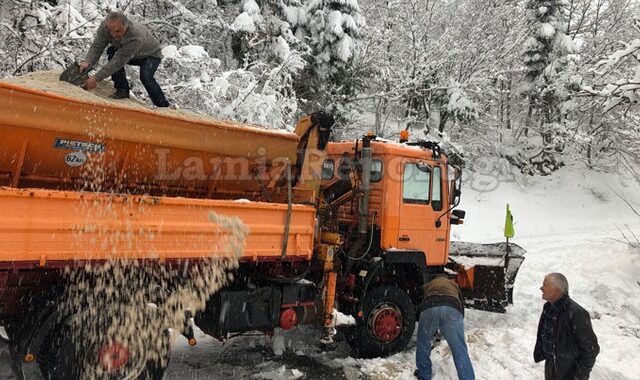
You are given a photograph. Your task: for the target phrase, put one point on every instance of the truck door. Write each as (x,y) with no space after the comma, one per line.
(414,205)
(439,236)
(420,205)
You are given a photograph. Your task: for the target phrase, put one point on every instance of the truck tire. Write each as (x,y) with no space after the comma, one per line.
(59,358)
(386,325)
(156,368)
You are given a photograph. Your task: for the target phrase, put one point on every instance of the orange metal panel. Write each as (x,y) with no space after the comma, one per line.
(160,147)
(29,108)
(45,225)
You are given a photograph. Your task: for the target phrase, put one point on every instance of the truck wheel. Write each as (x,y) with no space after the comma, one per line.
(57,357)
(387,323)
(137,360)
(60,358)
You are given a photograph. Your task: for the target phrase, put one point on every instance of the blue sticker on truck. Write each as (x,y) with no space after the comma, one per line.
(86,146)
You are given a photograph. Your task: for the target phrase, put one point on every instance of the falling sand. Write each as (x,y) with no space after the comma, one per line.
(129,305)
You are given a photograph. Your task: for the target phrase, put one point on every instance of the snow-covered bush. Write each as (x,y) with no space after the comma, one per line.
(459,105)
(43,36)
(193,80)
(332,27)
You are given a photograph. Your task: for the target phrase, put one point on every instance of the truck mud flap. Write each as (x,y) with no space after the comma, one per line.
(7,370)
(12,367)
(491,269)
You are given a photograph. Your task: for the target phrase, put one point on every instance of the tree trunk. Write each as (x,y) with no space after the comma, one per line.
(529,119)
(443,122)
(500,109)
(501,102)
(508,103)
(590,144)
(381,110)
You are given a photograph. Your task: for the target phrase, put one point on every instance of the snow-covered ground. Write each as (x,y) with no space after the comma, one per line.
(567,222)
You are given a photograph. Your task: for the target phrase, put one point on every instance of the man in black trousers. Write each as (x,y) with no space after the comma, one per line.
(566,340)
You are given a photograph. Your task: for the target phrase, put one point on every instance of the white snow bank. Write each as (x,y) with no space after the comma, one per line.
(571,201)
(187,51)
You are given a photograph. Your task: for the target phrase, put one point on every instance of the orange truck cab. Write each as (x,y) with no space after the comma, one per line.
(409,193)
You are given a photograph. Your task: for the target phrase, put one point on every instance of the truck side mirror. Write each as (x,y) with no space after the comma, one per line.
(457,216)
(460,214)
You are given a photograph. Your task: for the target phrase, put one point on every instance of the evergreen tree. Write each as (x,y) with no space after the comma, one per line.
(264,33)
(332,27)
(331,79)
(550,83)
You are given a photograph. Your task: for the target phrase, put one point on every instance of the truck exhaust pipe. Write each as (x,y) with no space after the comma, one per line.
(365,192)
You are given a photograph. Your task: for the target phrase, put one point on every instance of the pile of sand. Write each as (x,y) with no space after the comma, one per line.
(48,81)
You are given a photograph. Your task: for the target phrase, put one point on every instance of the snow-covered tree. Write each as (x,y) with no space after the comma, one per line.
(331,78)
(611,126)
(309,42)
(40,35)
(265,33)
(550,82)
(429,56)
(453,66)
(331,29)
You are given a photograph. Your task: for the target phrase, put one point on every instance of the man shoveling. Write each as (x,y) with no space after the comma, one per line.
(129,43)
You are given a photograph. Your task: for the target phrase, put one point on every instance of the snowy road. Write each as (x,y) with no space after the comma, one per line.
(567,224)
(603,277)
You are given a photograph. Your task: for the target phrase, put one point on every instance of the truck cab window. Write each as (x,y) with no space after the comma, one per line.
(415,183)
(376,170)
(327,169)
(436,191)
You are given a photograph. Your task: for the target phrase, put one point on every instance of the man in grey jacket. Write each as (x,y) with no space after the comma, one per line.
(130,43)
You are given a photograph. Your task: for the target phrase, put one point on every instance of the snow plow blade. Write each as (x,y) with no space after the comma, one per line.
(486,273)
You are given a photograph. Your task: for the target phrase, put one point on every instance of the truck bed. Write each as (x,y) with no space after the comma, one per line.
(57,136)
(48,228)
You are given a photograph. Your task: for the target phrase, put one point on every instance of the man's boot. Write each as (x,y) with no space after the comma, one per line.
(120,94)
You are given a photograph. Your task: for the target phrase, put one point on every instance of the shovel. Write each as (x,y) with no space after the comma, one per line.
(73,75)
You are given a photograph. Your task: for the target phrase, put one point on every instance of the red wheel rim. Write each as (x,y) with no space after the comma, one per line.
(386,323)
(114,356)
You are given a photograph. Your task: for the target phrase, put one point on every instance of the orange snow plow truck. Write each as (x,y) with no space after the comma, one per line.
(358,226)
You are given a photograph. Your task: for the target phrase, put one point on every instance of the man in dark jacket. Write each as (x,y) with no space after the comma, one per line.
(442,310)
(566,340)
(130,43)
